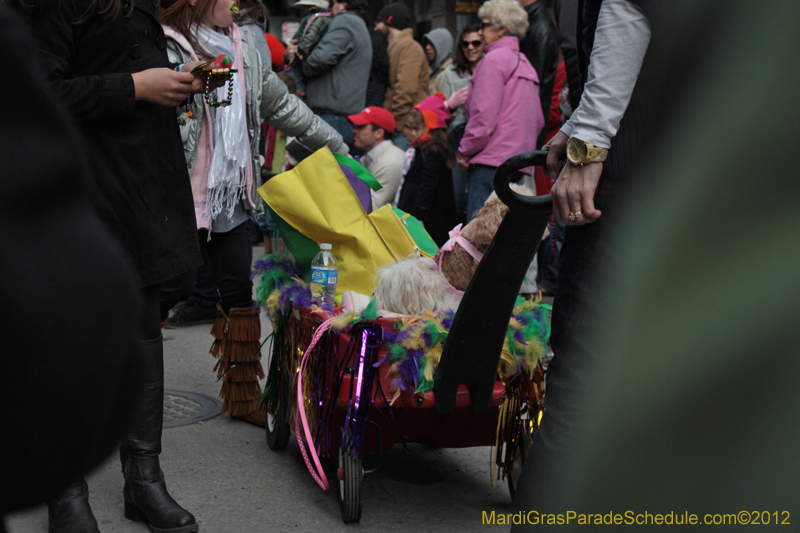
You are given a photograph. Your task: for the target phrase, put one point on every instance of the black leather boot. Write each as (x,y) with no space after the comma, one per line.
(145,493)
(69,512)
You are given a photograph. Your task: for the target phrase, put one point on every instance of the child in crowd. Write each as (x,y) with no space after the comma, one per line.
(312,28)
(221,149)
(427,192)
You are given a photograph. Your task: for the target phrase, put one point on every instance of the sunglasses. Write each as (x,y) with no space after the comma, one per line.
(485,25)
(467,44)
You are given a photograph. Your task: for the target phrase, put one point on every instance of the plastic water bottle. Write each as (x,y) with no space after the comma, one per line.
(324,275)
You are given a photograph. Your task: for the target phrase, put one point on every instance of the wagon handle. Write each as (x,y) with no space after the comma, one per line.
(473,347)
(508,169)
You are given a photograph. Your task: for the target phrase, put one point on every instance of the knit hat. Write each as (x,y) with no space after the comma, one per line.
(435,115)
(434,111)
(374,115)
(396,15)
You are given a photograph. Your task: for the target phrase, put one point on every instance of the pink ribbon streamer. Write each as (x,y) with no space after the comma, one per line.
(317,473)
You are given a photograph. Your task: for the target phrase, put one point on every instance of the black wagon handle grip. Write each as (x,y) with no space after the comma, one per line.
(508,169)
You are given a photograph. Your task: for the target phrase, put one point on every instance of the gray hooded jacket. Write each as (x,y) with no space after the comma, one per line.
(267,98)
(442,42)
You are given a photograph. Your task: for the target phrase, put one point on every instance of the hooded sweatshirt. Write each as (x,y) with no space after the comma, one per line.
(442,42)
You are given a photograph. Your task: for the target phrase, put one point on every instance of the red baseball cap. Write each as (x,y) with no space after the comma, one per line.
(374,115)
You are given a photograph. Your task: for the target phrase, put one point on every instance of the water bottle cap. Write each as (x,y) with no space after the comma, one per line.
(324,246)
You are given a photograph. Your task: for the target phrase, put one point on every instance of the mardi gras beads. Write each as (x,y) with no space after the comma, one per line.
(223,62)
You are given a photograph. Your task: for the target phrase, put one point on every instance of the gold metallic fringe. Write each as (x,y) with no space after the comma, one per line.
(515,428)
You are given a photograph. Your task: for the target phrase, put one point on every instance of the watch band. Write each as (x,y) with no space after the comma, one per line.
(595,153)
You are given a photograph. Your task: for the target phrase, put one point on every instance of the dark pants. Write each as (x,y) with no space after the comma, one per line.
(227,256)
(230,255)
(205,285)
(576,310)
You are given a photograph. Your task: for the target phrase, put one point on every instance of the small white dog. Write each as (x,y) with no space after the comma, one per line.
(414,286)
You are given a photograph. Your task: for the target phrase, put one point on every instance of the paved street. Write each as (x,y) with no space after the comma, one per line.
(223,472)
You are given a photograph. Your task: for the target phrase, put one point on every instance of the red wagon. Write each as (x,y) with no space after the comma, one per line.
(349,394)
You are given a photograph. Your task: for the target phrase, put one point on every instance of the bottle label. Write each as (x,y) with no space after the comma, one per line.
(324,275)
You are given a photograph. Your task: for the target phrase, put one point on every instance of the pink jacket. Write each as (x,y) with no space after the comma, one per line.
(501,123)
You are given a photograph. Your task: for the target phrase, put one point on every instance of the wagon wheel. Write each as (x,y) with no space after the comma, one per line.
(277,426)
(278,431)
(351,476)
(523,447)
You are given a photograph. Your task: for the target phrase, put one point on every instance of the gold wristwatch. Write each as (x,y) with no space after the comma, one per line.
(580,152)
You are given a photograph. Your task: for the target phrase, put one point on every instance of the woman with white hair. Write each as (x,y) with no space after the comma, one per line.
(500,123)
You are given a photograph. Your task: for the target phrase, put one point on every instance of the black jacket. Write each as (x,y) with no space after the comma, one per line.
(72,370)
(540,46)
(427,193)
(139,183)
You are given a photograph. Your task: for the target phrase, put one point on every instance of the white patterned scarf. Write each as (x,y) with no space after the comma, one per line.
(227,176)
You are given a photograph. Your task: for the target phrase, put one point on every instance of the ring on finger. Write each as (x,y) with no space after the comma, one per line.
(574,216)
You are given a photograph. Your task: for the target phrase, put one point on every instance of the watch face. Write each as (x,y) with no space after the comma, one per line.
(576,150)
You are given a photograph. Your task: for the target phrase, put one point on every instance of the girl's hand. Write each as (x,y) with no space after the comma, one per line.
(199,82)
(162,86)
(463,165)
(458,98)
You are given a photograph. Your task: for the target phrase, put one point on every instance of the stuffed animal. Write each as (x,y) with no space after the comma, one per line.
(412,287)
(459,257)
(419,284)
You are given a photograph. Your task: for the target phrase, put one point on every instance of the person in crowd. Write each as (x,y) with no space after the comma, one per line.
(438,46)
(70,383)
(221,149)
(427,191)
(678,415)
(123,93)
(201,307)
(314,24)
(468,52)
(504,116)
(455,86)
(408,66)
(540,46)
(587,197)
(379,71)
(337,70)
(372,131)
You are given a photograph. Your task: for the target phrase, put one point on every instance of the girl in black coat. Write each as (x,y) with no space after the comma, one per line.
(427,191)
(107,61)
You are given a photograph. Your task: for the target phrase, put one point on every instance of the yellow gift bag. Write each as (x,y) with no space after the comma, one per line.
(316,199)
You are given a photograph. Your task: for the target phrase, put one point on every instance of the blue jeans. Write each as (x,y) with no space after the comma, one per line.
(480,179)
(460,190)
(341,124)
